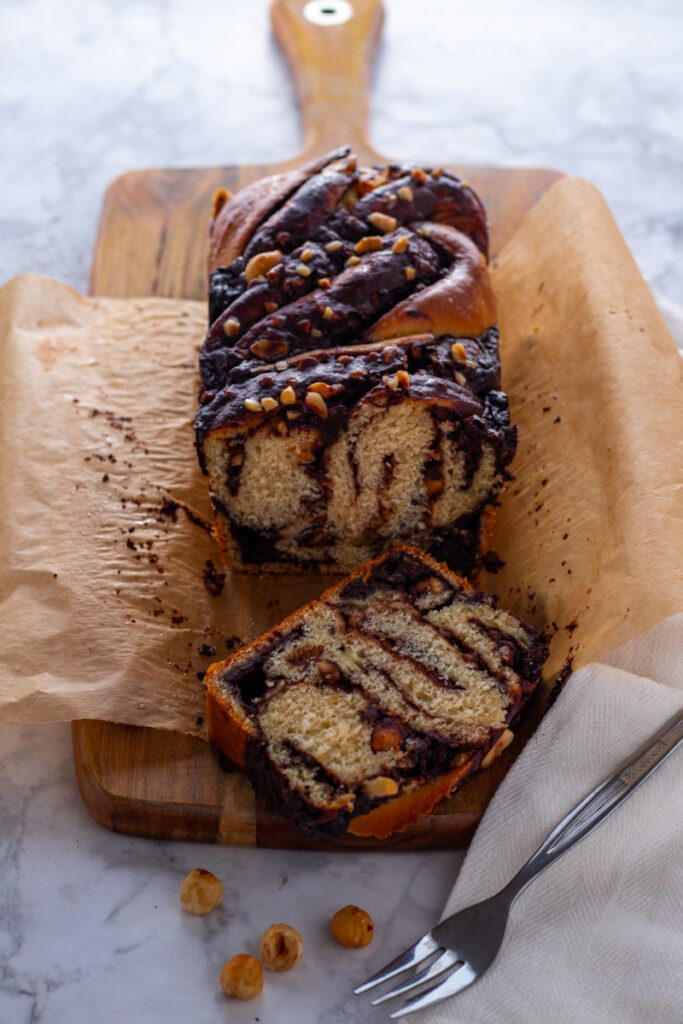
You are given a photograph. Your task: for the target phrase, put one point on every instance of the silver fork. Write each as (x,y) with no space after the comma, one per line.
(467,942)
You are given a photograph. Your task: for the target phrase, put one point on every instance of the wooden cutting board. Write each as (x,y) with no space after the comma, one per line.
(152,241)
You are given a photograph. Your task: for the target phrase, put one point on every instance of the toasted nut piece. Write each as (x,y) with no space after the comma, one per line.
(460,378)
(385,737)
(424,230)
(333,246)
(431,585)
(328,670)
(231,327)
(315,333)
(220,198)
(403,378)
(437,172)
(418,175)
(405,193)
(383,222)
(324,283)
(380,786)
(329,313)
(316,402)
(371,243)
(352,926)
(261,263)
(306,255)
(268,348)
(200,891)
(410,273)
(271,307)
(242,976)
(400,245)
(288,395)
(281,947)
(302,270)
(252,404)
(458,352)
(269,404)
(503,741)
(352,260)
(322,389)
(306,457)
(434,486)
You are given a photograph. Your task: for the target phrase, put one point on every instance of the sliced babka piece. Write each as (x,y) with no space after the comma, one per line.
(364,708)
(351,394)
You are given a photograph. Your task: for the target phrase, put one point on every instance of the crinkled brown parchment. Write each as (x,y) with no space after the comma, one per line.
(109,605)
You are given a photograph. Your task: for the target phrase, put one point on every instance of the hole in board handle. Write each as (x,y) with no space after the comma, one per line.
(328,12)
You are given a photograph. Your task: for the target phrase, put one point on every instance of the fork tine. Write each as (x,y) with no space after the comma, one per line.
(455,982)
(412,956)
(446,960)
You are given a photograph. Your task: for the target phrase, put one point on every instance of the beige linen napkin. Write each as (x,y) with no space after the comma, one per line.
(595,939)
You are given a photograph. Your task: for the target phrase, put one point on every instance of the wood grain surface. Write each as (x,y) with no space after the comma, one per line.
(152,240)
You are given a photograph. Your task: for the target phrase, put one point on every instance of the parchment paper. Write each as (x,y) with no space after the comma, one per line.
(104,527)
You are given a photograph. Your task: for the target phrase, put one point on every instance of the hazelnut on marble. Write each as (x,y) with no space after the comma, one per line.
(352,926)
(281,947)
(200,891)
(242,976)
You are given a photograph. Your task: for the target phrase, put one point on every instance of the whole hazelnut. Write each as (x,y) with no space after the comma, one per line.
(281,947)
(200,891)
(242,976)
(352,926)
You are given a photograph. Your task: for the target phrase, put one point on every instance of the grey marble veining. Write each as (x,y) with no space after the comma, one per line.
(91,931)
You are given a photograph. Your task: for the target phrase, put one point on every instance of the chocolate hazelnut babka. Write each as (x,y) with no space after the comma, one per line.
(363,709)
(350,376)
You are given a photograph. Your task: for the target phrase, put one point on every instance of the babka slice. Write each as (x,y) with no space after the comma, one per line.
(364,708)
(351,393)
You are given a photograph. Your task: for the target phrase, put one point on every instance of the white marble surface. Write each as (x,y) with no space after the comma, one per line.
(90,927)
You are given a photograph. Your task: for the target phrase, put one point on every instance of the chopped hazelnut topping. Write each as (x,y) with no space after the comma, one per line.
(306,255)
(325,283)
(281,365)
(418,175)
(269,404)
(385,737)
(465,184)
(252,404)
(400,245)
(344,360)
(458,352)
(329,313)
(231,327)
(410,273)
(460,379)
(405,192)
(380,786)
(261,263)
(333,246)
(321,388)
(390,198)
(288,395)
(424,230)
(271,307)
(383,222)
(268,348)
(302,270)
(291,415)
(403,379)
(357,374)
(315,333)
(352,260)
(371,243)
(317,403)
(437,172)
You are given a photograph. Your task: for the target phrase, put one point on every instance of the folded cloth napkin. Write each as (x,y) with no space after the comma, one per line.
(595,939)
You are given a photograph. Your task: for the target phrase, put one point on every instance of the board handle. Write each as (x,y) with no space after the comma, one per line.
(329,45)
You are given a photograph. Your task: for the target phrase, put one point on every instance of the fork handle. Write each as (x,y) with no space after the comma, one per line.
(599,803)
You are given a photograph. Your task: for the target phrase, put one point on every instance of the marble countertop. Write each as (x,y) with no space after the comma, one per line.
(90,925)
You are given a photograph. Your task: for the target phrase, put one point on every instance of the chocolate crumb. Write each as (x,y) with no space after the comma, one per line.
(214,580)
(558,685)
(207,650)
(200,677)
(492,562)
(105,478)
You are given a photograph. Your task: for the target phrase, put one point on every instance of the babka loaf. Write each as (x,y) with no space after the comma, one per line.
(350,377)
(366,707)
